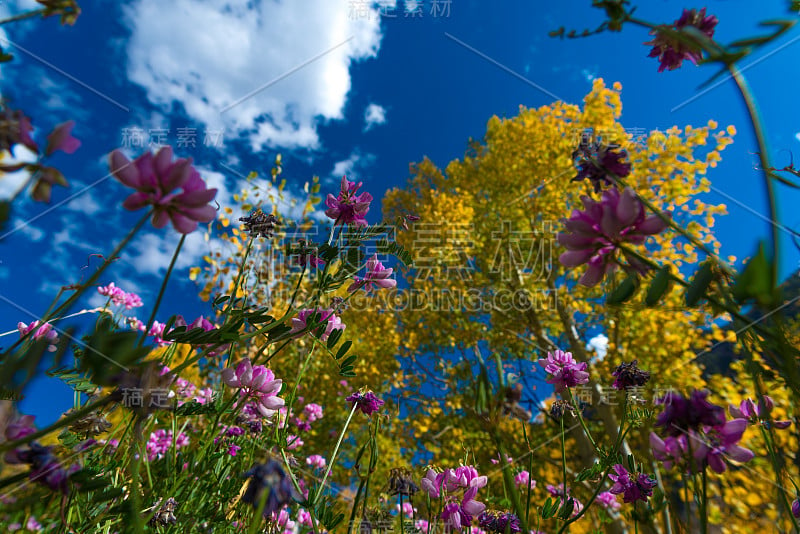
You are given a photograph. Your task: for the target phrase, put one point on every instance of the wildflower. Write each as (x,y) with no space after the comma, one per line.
(300,322)
(796,508)
(593,235)
(600,163)
(271,478)
(628,375)
(499,522)
(61,139)
(119,297)
(633,486)
(293,442)
(44,331)
(45,468)
(609,501)
(671,450)
(377,275)
(15,128)
(367,402)
(681,414)
(432,483)
(523,480)
(756,413)
(455,516)
(407,218)
(348,208)
(259,224)
(175,190)
(164,513)
(559,408)
(257,383)
(161,441)
(408,509)
(564,370)
(316,461)
(313,411)
(401,483)
(670,50)
(713,444)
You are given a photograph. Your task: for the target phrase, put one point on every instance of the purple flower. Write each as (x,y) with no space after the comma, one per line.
(300,322)
(119,297)
(316,461)
(593,235)
(714,444)
(160,443)
(796,508)
(174,189)
(313,412)
(377,275)
(671,450)
(523,480)
(432,483)
(367,402)
(348,208)
(633,486)
(609,501)
(257,383)
(670,50)
(596,160)
(681,415)
(756,413)
(61,139)
(455,517)
(499,522)
(564,370)
(269,477)
(15,128)
(628,375)
(44,331)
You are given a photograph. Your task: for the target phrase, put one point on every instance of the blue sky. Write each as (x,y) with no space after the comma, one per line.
(335,91)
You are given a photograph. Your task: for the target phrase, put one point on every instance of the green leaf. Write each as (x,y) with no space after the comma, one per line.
(344,348)
(334,338)
(659,286)
(756,280)
(622,292)
(348,362)
(699,284)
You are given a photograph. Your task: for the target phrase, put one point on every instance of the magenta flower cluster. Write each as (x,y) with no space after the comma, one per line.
(377,276)
(160,442)
(119,297)
(300,323)
(257,384)
(564,371)
(367,402)
(670,50)
(594,235)
(348,207)
(40,331)
(632,486)
(174,189)
(456,514)
(758,413)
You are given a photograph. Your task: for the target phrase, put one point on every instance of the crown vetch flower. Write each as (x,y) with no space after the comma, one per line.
(593,235)
(174,189)
(61,139)
(377,275)
(367,402)
(670,50)
(564,370)
(758,413)
(796,508)
(300,322)
(44,331)
(683,414)
(257,383)
(596,160)
(269,477)
(628,375)
(348,207)
(608,501)
(633,486)
(671,450)
(714,444)
(499,522)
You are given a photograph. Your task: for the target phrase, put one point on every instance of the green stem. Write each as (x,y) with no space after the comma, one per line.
(704,507)
(138,526)
(335,451)
(23,16)
(161,291)
(581,421)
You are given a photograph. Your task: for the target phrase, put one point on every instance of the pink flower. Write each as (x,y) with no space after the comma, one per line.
(593,235)
(317,461)
(348,208)
(44,331)
(377,275)
(313,412)
(564,370)
(61,139)
(523,480)
(119,297)
(758,413)
(408,509)
(161,441)
(609,501)
(300,322)
(258,383)
(715,444)
(175,190)
(293,442)
(670,50)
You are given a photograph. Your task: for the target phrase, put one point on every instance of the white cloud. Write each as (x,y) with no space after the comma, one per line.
(207,55)
(352,165)
(374,115)
(598,344)
(797,136)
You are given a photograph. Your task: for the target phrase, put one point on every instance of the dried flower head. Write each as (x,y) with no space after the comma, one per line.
(164,513)
(628,375)
(260,224)
(401,483)
(91,425)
